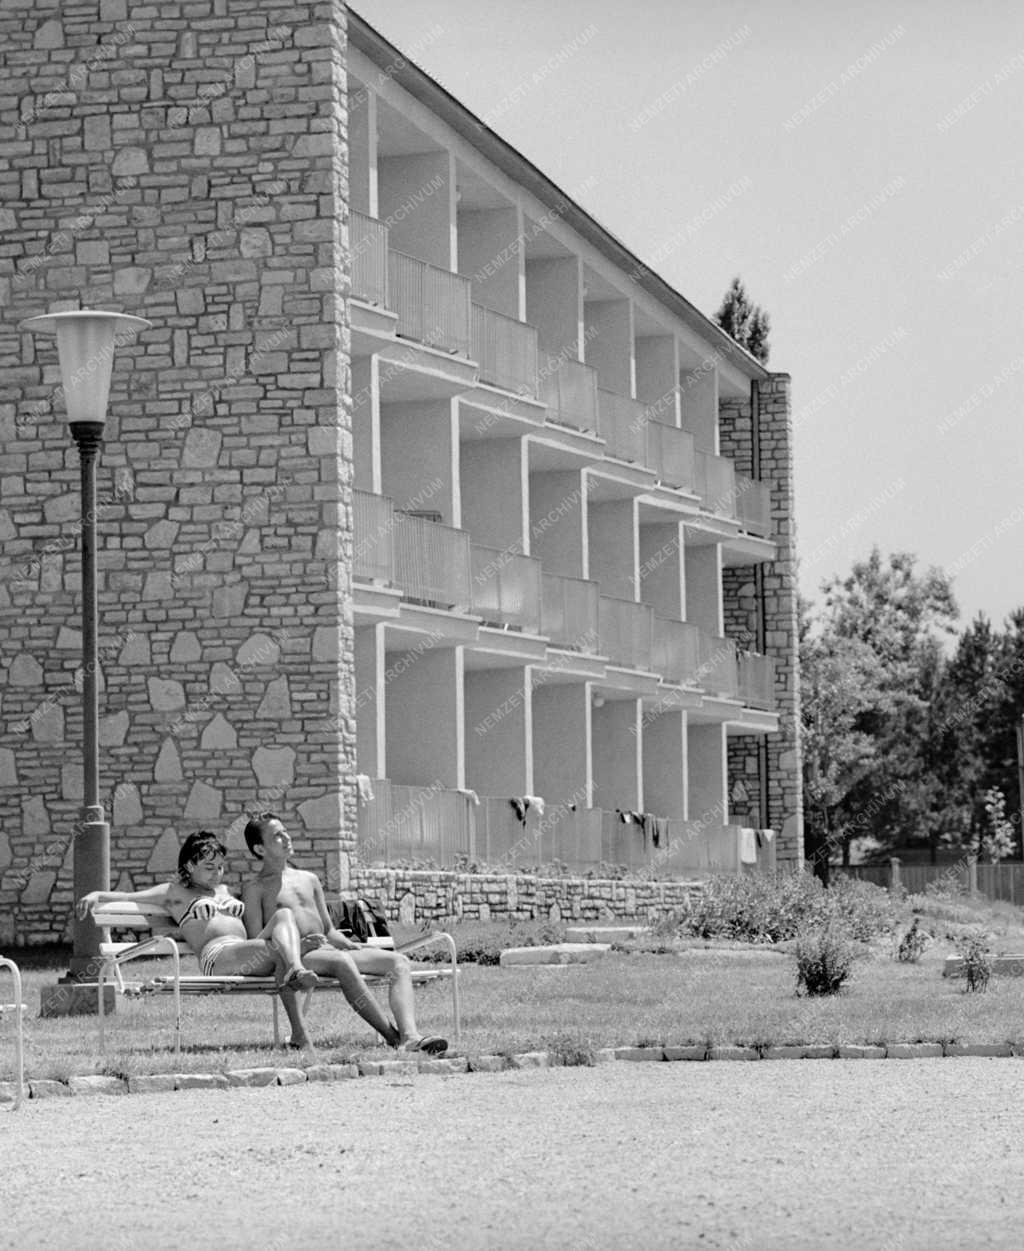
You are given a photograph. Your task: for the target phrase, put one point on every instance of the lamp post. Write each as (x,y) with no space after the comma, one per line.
(86,339)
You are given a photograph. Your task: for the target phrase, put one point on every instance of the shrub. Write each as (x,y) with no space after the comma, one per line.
(764,908)
(824,959)
(912,944)
(977,958)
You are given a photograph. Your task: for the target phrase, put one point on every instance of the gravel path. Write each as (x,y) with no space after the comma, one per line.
(892,1156)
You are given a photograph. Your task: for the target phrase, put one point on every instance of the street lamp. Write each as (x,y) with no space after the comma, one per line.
(86,339)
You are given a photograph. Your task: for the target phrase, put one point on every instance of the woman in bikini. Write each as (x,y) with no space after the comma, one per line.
(210,920)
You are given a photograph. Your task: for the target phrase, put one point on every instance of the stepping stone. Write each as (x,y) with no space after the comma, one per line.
(1008,966)
(558,953)
(604,933)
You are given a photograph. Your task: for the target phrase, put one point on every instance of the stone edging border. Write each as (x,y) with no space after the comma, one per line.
(272,1076)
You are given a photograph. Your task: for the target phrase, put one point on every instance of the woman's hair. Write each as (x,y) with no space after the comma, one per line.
(194,848)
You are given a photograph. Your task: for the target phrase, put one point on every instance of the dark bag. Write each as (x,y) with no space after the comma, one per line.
(359,920)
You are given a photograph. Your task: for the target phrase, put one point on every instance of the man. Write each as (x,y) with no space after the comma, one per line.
(325,950)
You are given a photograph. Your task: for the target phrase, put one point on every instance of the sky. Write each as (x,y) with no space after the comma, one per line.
(861,167)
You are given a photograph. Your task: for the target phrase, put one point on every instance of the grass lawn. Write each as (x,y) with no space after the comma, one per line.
(692,994)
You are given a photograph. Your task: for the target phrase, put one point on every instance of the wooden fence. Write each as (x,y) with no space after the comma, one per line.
(994,881)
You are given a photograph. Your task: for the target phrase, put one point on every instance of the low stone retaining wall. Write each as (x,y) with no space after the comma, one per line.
(416,895)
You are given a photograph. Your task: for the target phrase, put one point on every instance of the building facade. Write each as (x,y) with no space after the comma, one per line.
(422,501)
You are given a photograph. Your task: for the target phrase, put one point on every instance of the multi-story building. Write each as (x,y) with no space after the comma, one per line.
(421,477)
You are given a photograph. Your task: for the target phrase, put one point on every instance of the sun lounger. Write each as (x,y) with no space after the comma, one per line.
(18,1009)
(165,938)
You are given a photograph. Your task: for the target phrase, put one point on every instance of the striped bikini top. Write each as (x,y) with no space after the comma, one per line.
(203,907)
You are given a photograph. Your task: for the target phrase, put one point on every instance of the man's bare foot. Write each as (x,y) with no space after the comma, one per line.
(299,978)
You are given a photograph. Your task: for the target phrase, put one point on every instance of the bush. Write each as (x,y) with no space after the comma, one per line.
(763,908)
(912,944)
(824,959)
(977,958)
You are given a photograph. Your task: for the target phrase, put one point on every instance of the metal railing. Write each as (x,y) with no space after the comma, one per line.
(675,652)
(433,305)
(754,506)
(622,423)
(715,480)
(569,612)
(506,588)
(757,680)
(670,454)
(368,241)
(718,669)
(505,350)
(432,562)
(373,526)
(624,631)
(569,389)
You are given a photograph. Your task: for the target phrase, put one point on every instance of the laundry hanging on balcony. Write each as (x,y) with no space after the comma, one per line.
(523,803)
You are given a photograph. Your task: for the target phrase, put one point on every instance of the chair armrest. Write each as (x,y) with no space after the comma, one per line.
(428,940)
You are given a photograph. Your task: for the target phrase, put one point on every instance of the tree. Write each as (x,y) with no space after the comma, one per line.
(838,686)
(747,323)
(890,617)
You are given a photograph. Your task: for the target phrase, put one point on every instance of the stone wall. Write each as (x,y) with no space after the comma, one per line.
(779,596)
(185,162)
(415,896)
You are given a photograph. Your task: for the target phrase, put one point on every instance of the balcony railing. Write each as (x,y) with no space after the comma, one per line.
(569,612)
(373,549)
(675,651)
(624,632)
(716,483)
(757,680)
(506,588)
(505,350)
(432,562)
(445,828)
(622,423)
(717,671)
(569,389)
(754,506)
(670,454)
(433,305)
(368,240)
(421,823)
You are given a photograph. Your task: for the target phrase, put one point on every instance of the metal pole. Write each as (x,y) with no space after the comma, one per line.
(92,838)
(1020,779)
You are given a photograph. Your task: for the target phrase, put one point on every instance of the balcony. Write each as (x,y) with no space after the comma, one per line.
(569,389)
(368,240)
(505,350)
(717,672)
(670,455)
(506,588)
(432,562)
(757,681)
(373,550)
(624,632)
(754,506)
(622,423)
(675,652)
(568,612)
(433,305)
(715,480)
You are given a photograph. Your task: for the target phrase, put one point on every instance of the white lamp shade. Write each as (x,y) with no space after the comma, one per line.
(86,339)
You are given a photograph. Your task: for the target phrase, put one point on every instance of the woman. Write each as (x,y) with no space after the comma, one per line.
(210,920)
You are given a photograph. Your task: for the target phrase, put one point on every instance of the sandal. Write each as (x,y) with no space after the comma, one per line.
(429,1044)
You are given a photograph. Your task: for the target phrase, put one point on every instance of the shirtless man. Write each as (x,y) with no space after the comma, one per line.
(325,949)
(209,918)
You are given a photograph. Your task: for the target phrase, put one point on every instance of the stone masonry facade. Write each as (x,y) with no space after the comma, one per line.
(780,607)
(185,162)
